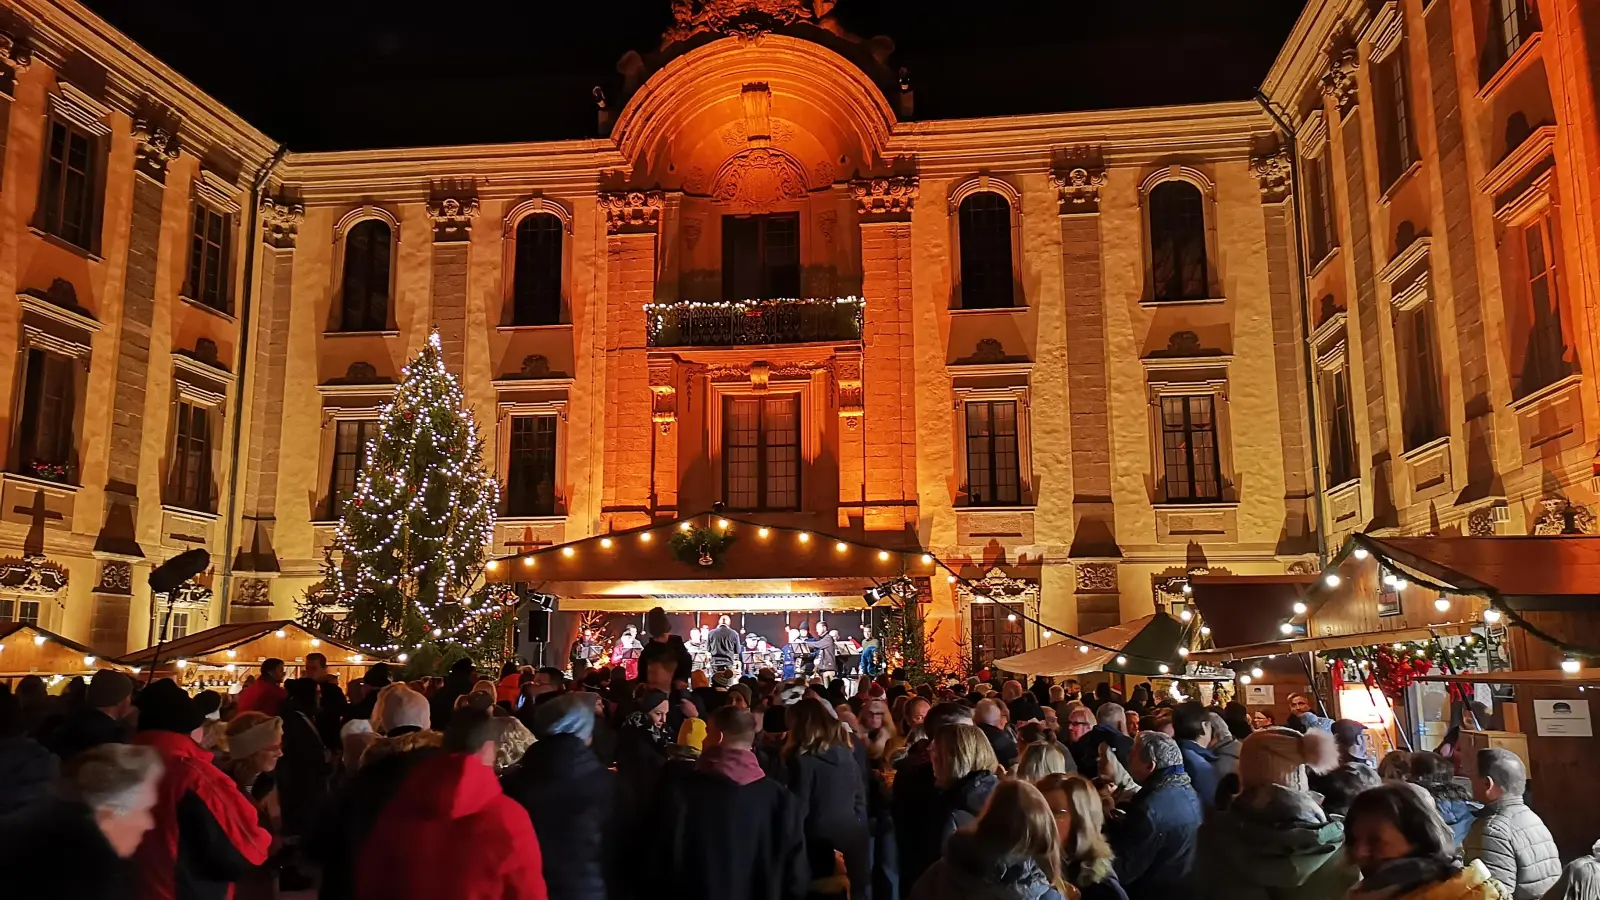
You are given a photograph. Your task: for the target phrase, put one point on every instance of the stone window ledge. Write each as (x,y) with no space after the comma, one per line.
(559,326)
(1400,182)
(192,515)
(222,314)
(1015,508)
(1546,395)
(1197,506)
(1327,258)
(387,333)
(1163,304)
(1530,50)
(1422,451)
(998,310)
(65,244)
(31,482)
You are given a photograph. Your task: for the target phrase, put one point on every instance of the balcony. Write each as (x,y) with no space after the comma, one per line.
(690,323)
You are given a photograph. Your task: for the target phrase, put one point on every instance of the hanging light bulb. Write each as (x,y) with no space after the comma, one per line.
(1491,615)
(1400,584)
(492,564)
(950,579)
(841,546)
(1391,579)
(1011,617)
(1571,666)
(232,654)
(1186,615)
(644,538)
(1183,652)
(567,552)
(183,664)
(315,642)
(763,531)
(1256,672)
(1122,660)
(1163,668)
(927,559)
(684,526)
(1299,608)
(1205,630)
(1244,679)
(39,639)
(606,543)
(1360,553)
(88,660)
(1442,604)
(1188,588)
(883,555)
(402,657)
(1331,579)
(1286,628)
(1047,634)
(805,537)
(1083,648)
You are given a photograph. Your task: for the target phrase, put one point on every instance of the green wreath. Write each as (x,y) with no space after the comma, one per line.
(702,546)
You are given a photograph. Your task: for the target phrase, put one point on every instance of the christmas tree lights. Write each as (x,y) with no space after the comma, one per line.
(407,557)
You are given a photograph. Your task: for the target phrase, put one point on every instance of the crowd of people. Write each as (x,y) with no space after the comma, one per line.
(590,785)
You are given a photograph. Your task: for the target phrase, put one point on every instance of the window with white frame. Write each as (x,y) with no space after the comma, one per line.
(177,624)
(19,610)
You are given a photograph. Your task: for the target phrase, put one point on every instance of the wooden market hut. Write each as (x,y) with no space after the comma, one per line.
(30,650)
(227,654)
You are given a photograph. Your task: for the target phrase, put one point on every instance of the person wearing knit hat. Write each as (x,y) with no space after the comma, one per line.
(256,735)
(1274,839)
(691,739)
(1155,842)
(401,710)
(741,696)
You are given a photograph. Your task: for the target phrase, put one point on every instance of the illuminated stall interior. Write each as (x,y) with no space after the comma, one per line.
(221,658)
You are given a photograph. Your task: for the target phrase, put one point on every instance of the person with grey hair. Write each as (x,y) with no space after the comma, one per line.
(990,717)
(1509,838)
(569,796)
(1224,746)
(1155,841)
(1111,729)
(100,817)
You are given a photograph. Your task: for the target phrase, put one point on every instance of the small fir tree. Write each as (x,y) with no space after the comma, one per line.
(406,561)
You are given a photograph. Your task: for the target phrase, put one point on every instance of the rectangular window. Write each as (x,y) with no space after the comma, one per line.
(69,185)
(1319,207)
(177,624)
(531,470)
(208,258)
(1514,23)
(761,452)
(191,468)
(1193,465)
(761,257)
(1396,151)
(1544,362)
(49,408)
(1339,425)
(996,632)
(994,471)
(1423,412)
(350,439)
(25,612)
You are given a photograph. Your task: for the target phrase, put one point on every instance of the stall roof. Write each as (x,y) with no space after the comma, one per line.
(1247,609)
(210,646)
(1330,642)
(1147,642)
(1525,571)
(56,656)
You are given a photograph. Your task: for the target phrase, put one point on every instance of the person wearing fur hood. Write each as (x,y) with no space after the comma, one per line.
(1274,840)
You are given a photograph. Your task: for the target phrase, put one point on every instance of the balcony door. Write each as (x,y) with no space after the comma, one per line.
(761,257)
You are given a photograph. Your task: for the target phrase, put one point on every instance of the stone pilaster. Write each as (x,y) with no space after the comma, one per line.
(280,225)
(849,390)
(452,232)
(888,373)
(113,601)
(14,57)
(1094,526)
(664,447)
(1460,252)
(1288,356)
(632,221)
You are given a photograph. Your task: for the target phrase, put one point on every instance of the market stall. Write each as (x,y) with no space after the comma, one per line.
(31,650)
(221,658)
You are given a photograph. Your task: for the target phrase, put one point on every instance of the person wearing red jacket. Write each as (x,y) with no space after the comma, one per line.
(451,833)
(206,834)
(267,693)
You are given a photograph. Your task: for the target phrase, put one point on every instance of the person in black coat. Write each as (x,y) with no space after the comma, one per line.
(914,801)
(723,645)
(457,684)
(822,773)
(663,643)
(101,720)
(725,831)
(570,797)
(304,770)
(1113,722)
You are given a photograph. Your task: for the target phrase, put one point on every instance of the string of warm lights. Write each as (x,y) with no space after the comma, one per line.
(722,521)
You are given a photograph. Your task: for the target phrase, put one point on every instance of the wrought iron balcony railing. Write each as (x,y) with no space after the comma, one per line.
(690,323)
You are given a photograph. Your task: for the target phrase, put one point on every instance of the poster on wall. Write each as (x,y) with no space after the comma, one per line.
(1259,695)
(1562,718)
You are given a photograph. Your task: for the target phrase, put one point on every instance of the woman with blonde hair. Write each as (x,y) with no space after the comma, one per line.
(1009,853)
(878,733)
(1039,760)
(965,772)
(831,794)
(1080,821)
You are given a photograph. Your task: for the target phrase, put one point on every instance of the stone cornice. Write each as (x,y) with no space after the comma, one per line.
(501,171)
(1302,61)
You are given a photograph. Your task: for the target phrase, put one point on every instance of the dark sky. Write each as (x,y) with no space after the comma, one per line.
(343,74)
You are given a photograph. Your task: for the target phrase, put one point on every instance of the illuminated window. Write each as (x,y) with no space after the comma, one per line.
(49,409)
(994,636)
(985,238)
(536,279)
(25,612)
(364,298)
(761,452)
(993,453)
(177,624)
(1189,449)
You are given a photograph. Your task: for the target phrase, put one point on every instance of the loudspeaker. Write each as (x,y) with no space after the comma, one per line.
(539,626)
(178,569)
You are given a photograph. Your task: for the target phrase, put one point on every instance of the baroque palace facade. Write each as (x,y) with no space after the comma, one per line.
(1079,354)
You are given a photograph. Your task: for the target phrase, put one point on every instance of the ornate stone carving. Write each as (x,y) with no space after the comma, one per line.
(1273,175)
(189,595)
(759,179)
(14,57)
(824,173)
(760,375)
(1079,188)
(885,197)
(1562,516)
(663,395)
(252,592)
(154,146)
(1339,82)
(847,375)
(999,587)
(116,577)
(280,222)
(1480,522)
(452,217)
(1303,567)
(632,209)
(827,222)
(1097,578)
(747,18)
(534,366)
(32,574)
(988,350)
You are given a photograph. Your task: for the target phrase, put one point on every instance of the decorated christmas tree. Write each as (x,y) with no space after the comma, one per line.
(404,568)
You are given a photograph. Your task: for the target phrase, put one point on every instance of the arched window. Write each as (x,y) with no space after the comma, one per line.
(536,274)
(1178,242)
(364,299)
(986,277)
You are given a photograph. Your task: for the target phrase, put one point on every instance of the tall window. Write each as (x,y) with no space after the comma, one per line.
(208,258)
(14,609)
(1339,424)
(531,473)
(49,408)
(986,278)
(350,439)
(996,632)
(1514,22)
(1178,242)
(191,465)
(536,278)
(1423,412)
(177,624)
(1396,148)
(761,452)
(69,185)
(1189,448)
(365,296)
(1324,235)
(994,473)
(760,257)
(1545,360)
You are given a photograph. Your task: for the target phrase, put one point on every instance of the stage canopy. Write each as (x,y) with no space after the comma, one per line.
(1146,643)
(31,650)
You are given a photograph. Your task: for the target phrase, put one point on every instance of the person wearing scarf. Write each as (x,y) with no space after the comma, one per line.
(1406,852)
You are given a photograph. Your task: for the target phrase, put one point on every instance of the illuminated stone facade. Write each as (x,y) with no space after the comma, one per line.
(1077,355)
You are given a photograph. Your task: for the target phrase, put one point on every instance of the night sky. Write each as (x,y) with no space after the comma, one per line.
(345,74)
